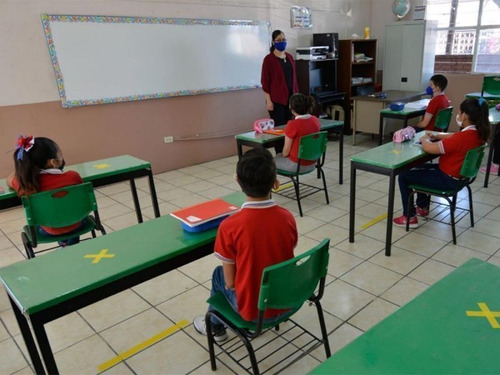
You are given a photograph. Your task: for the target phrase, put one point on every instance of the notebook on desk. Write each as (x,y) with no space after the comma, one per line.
(419,104)
(198,214)
(274,131)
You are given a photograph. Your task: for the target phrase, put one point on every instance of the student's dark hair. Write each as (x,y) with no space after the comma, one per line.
(274,35)
(478,112)
(440,81)
(301,104)
(256,172)
(29,163)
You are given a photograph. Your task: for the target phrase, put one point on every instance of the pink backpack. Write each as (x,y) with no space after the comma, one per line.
(404,134)
(263,124)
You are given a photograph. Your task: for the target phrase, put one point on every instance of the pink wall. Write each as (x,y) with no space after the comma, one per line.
(137,128)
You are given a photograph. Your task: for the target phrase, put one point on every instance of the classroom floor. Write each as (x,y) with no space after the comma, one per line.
(363,285)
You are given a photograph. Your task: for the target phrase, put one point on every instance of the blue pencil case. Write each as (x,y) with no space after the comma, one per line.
(397,106)
(205,226)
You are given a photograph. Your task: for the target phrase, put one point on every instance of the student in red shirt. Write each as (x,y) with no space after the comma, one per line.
(249,241)
(438,102)
(452,148)
(39,167)
(279,79)
(303,124)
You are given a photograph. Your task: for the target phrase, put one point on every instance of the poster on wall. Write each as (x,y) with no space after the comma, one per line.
(300,17)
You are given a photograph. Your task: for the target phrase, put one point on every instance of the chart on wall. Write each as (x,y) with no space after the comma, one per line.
(110,59)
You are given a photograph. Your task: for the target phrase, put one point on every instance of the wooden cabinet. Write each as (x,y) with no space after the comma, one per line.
(409,55)
(352,74)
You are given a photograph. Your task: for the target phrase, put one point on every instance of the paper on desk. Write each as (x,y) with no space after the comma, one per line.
(419,104)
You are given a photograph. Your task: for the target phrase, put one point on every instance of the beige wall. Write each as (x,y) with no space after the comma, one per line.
(458,86)
(29,102)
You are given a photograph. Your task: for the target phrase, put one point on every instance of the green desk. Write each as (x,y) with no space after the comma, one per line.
(102,172)
(405,114)
(389,160)
(434,333)
(45,288)
(486,96)
(494,118)
(254,139)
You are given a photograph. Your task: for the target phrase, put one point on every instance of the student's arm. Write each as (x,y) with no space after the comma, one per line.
(430,142)
(10,180)
(229,274)
(425,121)
(288,146)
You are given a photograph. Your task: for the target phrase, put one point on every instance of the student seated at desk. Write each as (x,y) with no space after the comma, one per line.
(439,101)
(303,124)
(474,132)
(496,154)
(249,241)
(38,166)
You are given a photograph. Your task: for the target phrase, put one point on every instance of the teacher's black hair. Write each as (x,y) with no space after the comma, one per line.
(274,35)
(256,173)
(478,115)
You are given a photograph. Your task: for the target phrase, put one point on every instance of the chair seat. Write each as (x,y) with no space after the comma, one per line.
(432,191)
(90,224)
(221,304)
(288,173)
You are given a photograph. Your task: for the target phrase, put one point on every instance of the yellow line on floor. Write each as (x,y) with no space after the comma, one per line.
(283,187)
(374,221)
(143,345)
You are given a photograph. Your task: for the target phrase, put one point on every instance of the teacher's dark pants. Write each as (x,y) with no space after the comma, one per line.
(281,114)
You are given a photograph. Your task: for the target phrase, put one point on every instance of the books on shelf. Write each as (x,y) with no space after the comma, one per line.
(358,80)
(198,214)
(360,57)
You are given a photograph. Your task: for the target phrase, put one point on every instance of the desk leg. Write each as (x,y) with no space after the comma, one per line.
(28,339)
(240,149)
(381,129)
(488,165)
(352,204)
(341,157)
(135,198)
(152,191)
(45,349)
(390,214)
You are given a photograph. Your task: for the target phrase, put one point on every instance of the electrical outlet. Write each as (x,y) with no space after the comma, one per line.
(168,139)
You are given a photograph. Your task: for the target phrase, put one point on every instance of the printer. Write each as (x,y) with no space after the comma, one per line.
(312,53)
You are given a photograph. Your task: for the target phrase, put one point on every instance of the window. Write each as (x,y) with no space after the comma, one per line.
(468,35)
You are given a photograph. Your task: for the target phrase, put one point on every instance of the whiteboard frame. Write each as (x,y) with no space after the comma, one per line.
(68,102)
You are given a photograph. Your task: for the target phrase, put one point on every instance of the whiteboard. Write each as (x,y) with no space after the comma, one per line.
(109,59)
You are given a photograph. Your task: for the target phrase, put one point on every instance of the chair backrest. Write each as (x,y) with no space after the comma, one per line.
(491,85)
(60,207)
(472,162)
(312,146)
(443,119)
(287,285)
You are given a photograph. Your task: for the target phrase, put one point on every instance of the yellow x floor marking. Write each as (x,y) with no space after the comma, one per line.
(101,166)
(143,345)
(98,257)
(486,313)
(374,221)
(283,187)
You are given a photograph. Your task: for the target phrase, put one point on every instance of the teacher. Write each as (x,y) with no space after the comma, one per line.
(279,80)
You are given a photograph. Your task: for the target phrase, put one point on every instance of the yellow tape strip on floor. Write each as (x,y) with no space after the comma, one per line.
(143,345)
(283,187)
(374,221)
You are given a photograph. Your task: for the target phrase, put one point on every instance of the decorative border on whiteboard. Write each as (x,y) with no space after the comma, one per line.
(47,18)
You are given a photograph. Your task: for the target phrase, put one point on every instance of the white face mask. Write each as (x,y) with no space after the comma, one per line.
(459,123)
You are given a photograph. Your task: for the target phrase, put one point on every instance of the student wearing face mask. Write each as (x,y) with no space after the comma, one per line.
(439,101)
(452,148)
(39,164)
(279,79)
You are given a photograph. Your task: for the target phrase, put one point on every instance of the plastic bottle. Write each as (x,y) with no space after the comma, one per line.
(367,32)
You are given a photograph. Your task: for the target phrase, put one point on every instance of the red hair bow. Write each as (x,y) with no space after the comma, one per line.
(24,143)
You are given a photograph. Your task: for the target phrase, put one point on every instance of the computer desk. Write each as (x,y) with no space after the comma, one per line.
(451,328)
(51,286)
(390,160)
(102,172)
(254,139)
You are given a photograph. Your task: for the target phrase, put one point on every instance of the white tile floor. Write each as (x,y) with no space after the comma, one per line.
(363,285)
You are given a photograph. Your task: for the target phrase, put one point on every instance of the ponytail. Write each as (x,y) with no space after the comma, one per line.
(478,112)
(301,104)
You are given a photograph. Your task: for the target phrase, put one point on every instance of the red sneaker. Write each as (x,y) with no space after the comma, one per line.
(401,221)
(423,212)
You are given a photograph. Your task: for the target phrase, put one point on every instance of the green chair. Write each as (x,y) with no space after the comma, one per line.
(287,285)
(59,208)
(443,119)
(491,85)
(312,147)
(468,174)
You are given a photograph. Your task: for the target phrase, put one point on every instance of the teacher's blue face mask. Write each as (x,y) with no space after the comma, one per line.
(280,46)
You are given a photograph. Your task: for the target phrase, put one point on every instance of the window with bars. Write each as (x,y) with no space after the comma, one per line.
(468,36)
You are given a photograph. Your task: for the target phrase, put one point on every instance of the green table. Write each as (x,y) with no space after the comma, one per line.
(405,114)
(45,288)
(494,118)
(486,96)
(442,331)
(389,160)
(254,139)
(102,172)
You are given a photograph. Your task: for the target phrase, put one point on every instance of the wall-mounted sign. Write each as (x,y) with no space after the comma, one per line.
(300,17)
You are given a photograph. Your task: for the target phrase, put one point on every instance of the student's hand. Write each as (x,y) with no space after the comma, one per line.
(270,106)
(432,136)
